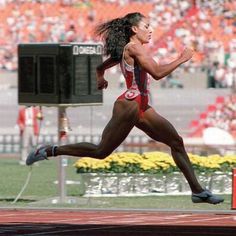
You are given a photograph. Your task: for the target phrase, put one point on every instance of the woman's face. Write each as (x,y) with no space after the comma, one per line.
(143,31)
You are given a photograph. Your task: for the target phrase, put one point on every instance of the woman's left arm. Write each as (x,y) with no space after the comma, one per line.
(108,63)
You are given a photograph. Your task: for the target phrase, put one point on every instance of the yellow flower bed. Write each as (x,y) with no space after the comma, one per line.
(152,162)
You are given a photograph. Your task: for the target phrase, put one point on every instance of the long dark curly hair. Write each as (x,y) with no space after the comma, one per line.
(116,33)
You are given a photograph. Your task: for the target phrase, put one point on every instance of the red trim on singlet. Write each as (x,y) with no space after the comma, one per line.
(137,82)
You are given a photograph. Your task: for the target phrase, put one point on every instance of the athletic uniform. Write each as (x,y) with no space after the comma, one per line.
(137,83)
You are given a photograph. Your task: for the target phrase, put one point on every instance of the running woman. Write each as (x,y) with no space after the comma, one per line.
(124,40)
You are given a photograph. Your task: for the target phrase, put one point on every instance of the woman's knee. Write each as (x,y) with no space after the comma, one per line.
(177,143)
(101,153)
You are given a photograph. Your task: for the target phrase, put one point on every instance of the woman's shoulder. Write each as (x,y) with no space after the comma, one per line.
(134,48)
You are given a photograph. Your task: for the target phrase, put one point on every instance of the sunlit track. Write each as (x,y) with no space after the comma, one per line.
(116,222)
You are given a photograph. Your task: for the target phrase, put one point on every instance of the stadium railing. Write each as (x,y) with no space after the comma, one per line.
(11,144)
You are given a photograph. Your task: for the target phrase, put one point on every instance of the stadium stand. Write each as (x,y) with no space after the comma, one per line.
(175,23)
(209,26)
(221,114)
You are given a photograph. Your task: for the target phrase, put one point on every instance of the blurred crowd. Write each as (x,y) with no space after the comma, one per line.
(221,114)
(208,26)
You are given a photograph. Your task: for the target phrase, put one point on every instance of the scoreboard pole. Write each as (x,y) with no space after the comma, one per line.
(59,75)
(63,128)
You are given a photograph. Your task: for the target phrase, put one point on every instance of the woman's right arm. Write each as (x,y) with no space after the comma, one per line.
(150,66)
(108,63)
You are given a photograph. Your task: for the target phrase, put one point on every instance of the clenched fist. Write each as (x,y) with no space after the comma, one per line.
(101,82)
(186,55)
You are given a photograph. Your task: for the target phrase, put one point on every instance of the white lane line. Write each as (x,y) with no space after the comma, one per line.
(202,219)
(17,214)
(101,219)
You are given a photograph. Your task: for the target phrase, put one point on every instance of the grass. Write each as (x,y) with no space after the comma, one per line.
(41,185)
(42,189)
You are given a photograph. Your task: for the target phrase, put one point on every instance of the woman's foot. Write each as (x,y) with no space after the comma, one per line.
(206,197)
(40,154)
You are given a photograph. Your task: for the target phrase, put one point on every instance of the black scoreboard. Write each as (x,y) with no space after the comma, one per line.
(62,74)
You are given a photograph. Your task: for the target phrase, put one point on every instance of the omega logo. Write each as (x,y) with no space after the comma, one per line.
(87,49)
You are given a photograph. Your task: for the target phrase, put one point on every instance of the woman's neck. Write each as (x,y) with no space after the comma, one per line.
(133,39)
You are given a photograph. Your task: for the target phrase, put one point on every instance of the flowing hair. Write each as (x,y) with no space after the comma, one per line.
(116,33)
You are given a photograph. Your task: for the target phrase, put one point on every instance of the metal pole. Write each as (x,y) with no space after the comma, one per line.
(62,160)
(91,123)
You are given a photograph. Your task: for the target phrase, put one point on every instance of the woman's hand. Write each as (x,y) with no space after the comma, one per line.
(186,55)
(101,82)
(157,71)
(108,63)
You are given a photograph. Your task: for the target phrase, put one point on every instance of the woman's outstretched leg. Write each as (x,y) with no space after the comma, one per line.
(124,117)
(117,129)
(161,130)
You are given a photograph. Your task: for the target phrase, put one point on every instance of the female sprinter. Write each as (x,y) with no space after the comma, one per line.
(124,44)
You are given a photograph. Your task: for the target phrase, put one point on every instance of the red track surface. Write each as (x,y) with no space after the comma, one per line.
(98,222)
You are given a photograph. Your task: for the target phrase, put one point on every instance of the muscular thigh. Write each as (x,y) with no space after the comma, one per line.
(157,127)
(125,115)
